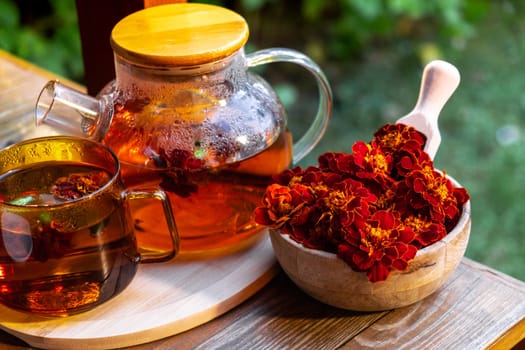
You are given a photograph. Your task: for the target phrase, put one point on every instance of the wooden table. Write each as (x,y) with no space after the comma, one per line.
(478,307)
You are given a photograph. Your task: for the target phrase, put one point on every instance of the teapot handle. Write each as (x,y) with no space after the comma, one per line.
(318,127)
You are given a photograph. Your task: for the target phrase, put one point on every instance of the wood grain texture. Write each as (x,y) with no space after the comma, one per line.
(162,300)
(150,3)
(20,84)
(279,317)
(179,34)
(439,81)
(473,309)
(468,313)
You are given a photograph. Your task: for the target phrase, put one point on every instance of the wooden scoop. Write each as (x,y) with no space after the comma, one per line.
(440,80)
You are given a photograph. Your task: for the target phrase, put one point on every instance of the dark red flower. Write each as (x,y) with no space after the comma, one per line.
(288,176)
(77,185)
(314,176)
(411,160)
(338,162)
(384,244)
(281,204)
(183,171)
(425,230)
(343,207)
(369,162)
(386,198)
(393,137)
(433,193)
(374,207)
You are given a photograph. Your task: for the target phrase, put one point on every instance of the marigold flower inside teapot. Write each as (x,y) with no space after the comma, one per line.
(186,114)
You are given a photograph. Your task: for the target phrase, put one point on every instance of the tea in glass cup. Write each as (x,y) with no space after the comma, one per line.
(67,241)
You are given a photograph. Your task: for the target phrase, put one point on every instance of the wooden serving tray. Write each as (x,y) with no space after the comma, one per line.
(162,300)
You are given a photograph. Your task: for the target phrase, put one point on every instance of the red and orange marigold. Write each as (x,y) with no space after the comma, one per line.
(373,207)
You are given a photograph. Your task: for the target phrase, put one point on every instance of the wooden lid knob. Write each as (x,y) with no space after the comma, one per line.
(182,34)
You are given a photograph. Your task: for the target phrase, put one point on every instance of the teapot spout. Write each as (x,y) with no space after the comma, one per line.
(72,112)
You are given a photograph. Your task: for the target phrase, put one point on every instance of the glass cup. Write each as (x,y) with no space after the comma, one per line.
(67,239)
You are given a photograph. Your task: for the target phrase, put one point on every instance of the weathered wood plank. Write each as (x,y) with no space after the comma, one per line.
(279,316)
(20,84)
(476,307)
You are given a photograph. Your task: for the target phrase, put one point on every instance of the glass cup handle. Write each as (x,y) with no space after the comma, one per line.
(318,127)
(172,227)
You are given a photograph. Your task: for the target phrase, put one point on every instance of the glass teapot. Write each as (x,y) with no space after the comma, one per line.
(184,113)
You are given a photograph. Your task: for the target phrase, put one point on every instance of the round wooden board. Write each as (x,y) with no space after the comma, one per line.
(162,300)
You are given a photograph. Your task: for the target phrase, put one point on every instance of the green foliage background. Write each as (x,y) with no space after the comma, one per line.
(43,32)
(373,52)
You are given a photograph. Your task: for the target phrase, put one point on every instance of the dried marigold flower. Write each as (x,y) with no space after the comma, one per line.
(411,160)
(288,176)
(384,243)
(374,207)
(425,230)
(77,185)
(393,137)
(432,193)
(338,162)
(281,204)
(341,208)
(183,171)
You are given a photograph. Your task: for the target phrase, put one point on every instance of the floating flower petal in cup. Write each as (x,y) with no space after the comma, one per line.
(374,207)
(67,242)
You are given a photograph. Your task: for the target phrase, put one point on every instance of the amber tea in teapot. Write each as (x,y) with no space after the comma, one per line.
(211,206)
(186,114)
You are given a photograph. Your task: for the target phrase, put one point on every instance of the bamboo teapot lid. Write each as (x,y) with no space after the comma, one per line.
(182,34)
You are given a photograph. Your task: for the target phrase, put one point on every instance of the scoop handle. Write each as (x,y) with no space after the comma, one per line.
(440,80)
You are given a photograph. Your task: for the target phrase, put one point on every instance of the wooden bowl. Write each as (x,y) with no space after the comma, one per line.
(330,280)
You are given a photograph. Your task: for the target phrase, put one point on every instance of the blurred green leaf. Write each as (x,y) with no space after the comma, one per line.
(367,9)
(254,5)
(287,93)
(7,41)
(313,9)
(9,14)
(30,44)
(411,8)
